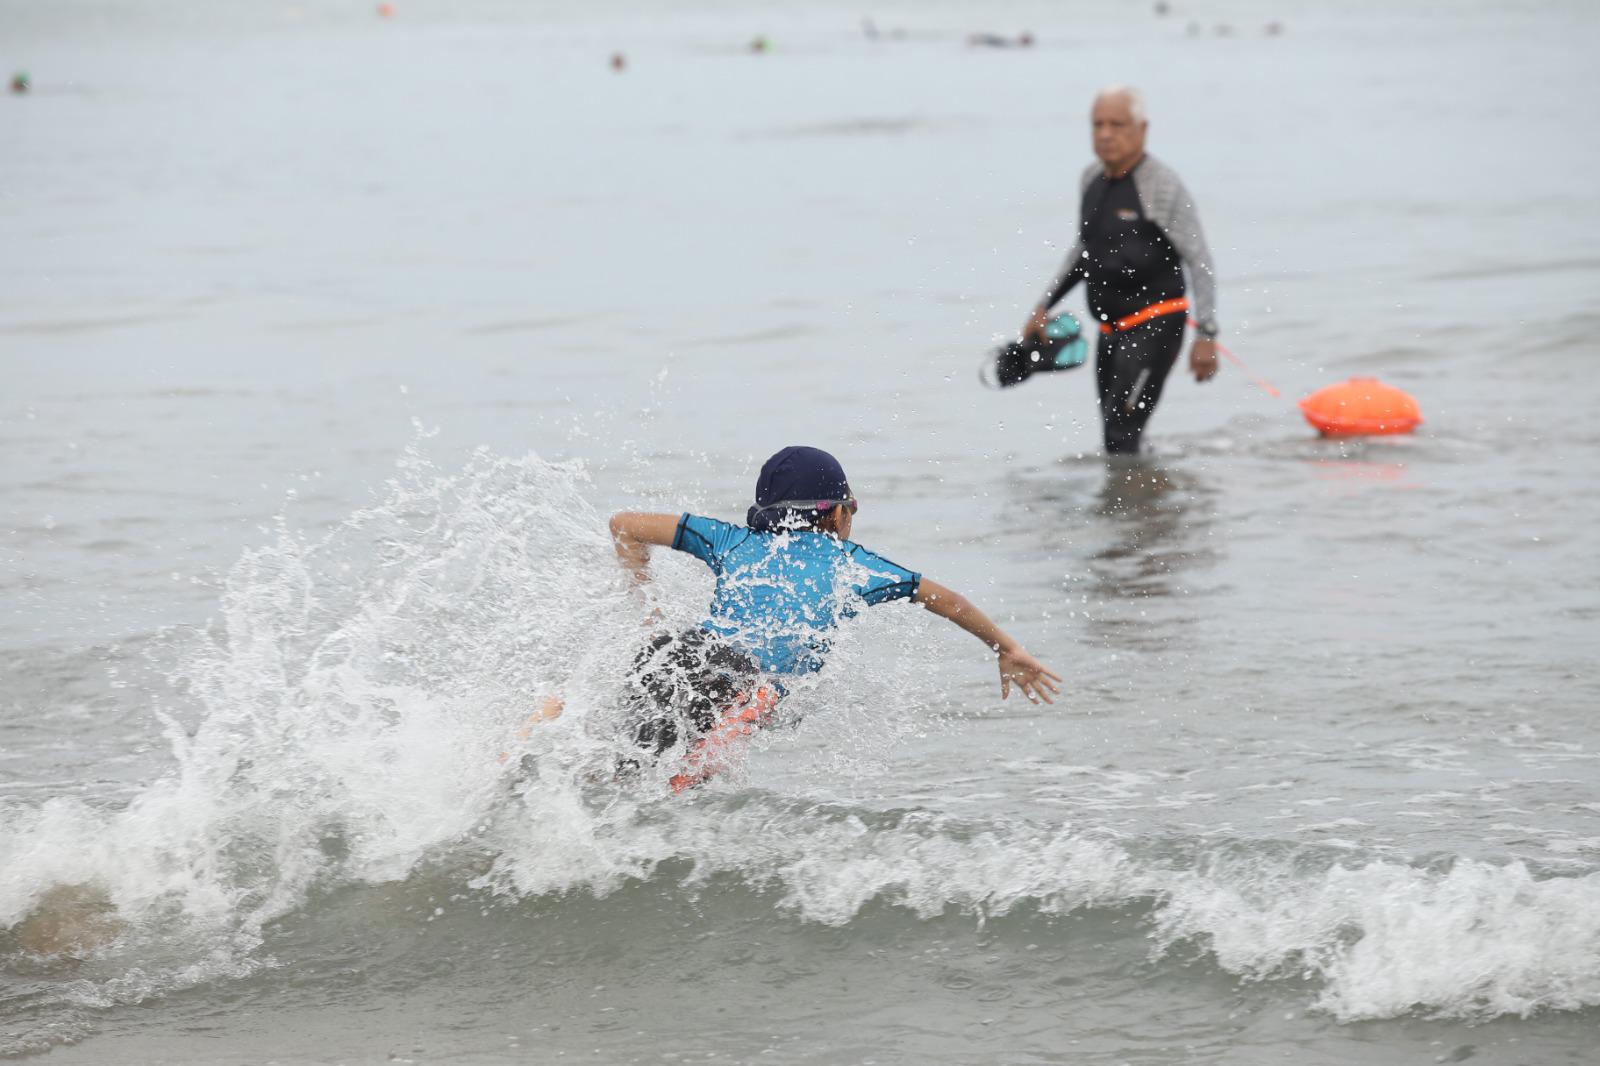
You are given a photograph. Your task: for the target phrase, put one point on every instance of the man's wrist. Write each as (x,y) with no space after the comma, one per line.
(1207,329)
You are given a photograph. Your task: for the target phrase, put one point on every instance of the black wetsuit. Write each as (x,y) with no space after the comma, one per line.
(1129,264)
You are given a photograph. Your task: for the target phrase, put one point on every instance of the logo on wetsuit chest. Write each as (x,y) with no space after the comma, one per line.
(1127,214)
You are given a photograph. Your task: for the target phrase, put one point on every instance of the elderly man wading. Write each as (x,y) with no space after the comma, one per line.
(1137,231)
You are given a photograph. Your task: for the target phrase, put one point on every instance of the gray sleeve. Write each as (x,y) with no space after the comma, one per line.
(1167,202)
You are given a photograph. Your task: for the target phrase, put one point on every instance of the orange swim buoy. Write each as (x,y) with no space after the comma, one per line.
(1361,407)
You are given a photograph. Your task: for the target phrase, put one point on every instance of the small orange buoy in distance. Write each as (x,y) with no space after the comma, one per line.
(386,10)
(1361,407)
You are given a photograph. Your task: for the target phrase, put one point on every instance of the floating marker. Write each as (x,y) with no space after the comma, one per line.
(1361,407)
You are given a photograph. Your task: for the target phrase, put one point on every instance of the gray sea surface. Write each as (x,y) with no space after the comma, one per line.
(330,340)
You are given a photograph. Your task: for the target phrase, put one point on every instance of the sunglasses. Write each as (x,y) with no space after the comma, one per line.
(850,503)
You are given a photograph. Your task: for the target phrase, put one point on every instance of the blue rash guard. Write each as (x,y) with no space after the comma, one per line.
(779,594)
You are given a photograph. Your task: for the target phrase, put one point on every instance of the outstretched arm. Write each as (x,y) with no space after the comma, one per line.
(1072,272)
(1036,680)
(632,533)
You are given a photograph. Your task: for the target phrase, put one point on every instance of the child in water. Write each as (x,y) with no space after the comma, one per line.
(784,580)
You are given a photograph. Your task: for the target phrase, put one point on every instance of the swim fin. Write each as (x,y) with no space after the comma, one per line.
(1061,348)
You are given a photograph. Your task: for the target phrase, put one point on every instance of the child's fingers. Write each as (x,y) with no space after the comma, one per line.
(1038,688)
(1005,686)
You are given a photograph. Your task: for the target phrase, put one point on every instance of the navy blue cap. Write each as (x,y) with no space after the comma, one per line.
(797,473)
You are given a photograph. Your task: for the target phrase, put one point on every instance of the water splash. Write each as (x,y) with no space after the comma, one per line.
(352,702)
(351,707)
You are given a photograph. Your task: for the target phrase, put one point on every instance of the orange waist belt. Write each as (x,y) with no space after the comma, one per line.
(1145,314)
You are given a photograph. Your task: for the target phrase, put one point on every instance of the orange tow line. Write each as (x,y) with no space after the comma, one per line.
(1262,383)
(1361,406)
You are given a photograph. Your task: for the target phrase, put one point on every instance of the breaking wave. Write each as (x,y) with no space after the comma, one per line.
(356,717)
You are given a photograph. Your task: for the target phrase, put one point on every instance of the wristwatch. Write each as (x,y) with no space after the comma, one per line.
(1207,329)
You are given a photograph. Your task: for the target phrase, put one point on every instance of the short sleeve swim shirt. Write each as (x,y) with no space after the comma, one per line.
(779,594)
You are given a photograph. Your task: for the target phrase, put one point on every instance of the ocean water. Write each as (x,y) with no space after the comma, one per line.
(330,341)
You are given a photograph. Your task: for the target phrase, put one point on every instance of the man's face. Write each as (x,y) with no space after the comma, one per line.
(1118,139)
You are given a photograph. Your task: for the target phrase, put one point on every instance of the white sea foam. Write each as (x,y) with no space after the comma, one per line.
(1381,938)
(351,708)
(1473,940)
(349,703)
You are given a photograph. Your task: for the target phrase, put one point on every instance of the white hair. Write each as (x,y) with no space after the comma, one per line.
(1134,97)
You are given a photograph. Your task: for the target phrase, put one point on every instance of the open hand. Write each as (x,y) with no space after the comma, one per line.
(1036,681)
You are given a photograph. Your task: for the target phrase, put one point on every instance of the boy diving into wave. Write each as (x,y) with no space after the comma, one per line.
(785,580)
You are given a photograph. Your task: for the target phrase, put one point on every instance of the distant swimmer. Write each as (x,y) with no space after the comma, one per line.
(1138,231)
(995,40)
(785,578)
(873,33)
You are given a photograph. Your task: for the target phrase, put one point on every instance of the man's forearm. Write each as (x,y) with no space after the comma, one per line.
(1065,281)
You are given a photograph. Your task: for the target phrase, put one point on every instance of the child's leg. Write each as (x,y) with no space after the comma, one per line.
(69,920)
(550,708)
(709,755)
